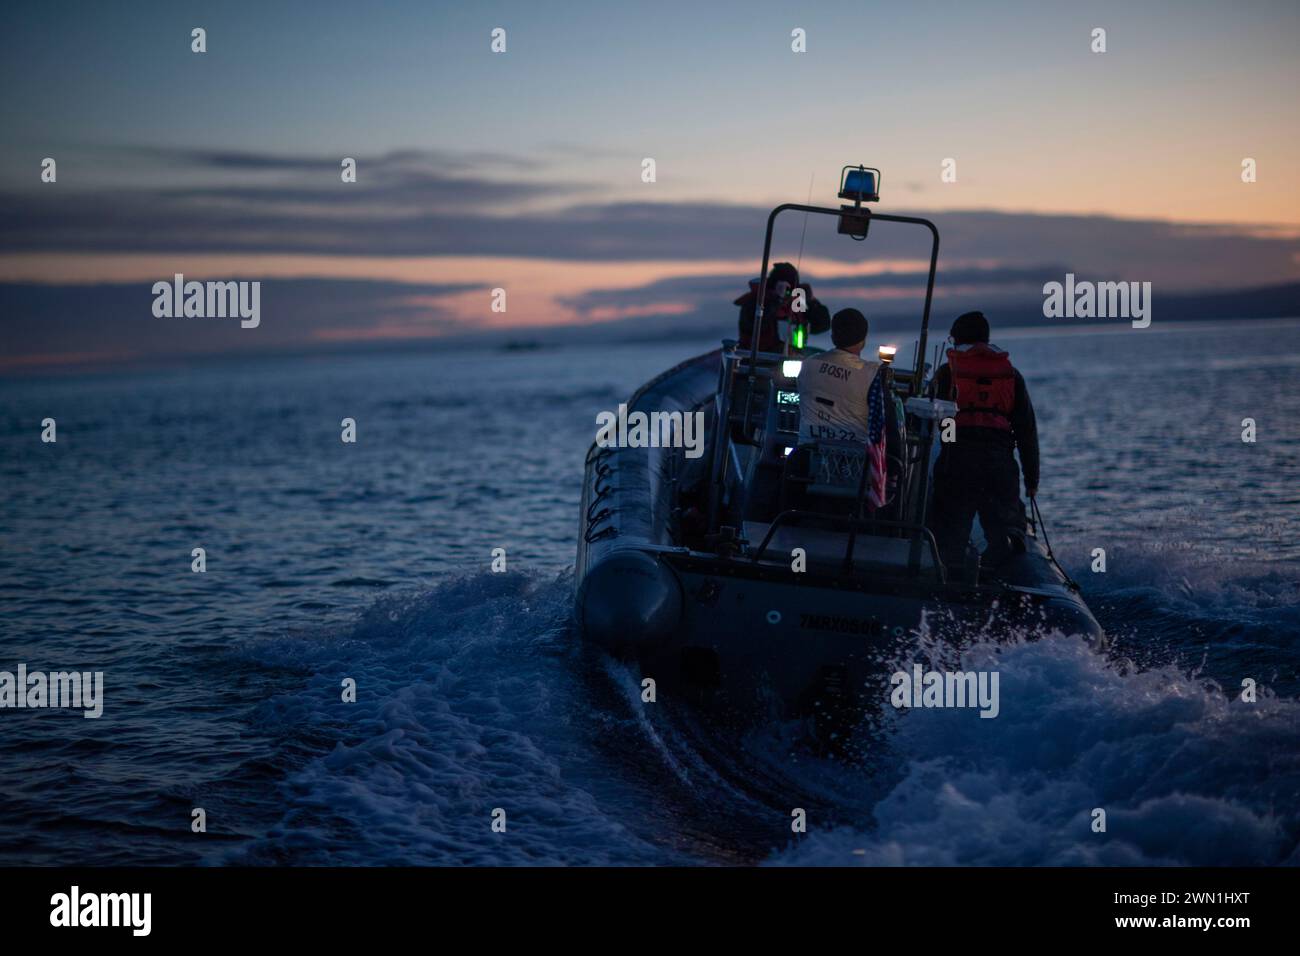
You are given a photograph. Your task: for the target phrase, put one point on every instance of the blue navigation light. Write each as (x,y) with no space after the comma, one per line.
(860,182)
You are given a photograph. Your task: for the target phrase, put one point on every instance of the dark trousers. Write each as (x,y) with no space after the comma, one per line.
(977,478)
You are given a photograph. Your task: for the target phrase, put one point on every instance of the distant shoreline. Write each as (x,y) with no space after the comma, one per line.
(691,340)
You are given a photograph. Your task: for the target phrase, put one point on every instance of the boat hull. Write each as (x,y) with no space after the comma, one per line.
(764,639)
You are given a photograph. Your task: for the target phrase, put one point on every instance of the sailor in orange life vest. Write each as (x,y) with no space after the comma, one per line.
(977,473)
(782,281)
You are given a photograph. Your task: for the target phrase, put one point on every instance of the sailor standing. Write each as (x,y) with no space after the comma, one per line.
(977,473)
(780,305)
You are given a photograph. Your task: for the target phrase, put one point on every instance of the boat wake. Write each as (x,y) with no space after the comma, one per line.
(1185,772)
(475,696)
(467,701)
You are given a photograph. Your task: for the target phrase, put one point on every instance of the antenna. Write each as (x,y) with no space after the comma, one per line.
(799,263)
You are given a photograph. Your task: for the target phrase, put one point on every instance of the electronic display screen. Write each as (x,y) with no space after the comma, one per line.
(786,398)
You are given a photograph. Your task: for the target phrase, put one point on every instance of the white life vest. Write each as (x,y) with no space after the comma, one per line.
(833,397)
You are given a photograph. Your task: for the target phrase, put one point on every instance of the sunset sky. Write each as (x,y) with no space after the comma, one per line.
(522,170)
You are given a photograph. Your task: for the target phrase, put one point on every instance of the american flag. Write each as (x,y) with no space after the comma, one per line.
(876,442)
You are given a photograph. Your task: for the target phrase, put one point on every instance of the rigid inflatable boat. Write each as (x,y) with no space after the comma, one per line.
(752,579)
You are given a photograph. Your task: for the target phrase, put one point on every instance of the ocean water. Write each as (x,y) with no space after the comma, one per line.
(370,561)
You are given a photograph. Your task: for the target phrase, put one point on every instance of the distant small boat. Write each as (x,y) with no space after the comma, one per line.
(522,345)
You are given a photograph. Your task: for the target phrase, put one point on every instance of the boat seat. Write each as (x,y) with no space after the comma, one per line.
(830,471)
(835,469)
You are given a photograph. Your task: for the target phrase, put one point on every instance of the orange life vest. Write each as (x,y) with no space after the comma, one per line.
(984,386)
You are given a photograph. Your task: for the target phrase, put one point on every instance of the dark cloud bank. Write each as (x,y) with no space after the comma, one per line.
(412,203)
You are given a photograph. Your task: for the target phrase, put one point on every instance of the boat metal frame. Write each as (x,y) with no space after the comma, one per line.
(734,363)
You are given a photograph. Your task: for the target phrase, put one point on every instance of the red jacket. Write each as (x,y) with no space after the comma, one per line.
(983,384)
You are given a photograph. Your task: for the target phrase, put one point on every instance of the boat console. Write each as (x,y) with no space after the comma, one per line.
(763,478)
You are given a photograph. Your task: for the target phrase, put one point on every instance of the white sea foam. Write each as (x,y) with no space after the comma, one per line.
(1186,774)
